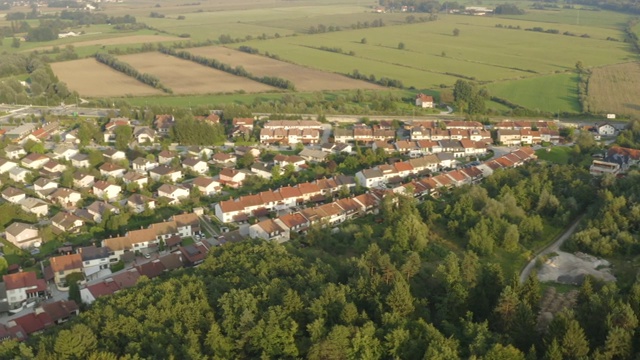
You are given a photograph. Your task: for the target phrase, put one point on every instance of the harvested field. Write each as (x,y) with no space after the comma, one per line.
(93,79)
(615,89)
(186,77)
(123,40)
(305,79)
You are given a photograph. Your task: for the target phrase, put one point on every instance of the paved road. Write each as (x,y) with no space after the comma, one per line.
(555,246)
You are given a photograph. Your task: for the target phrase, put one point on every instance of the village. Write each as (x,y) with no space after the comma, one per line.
(204,193)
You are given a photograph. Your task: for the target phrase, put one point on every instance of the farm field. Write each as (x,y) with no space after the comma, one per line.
(550,93)
(93,79)
(481,51)
(615,89)
(105,41)
(305,79)
(186,77)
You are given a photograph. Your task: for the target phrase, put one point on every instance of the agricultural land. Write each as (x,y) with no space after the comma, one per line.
(305,79)
(91,78)
(615,89)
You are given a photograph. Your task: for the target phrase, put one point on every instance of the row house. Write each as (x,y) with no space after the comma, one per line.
(293,124)
(291,136)
(438,134)
(525,125)
(284,198)
(363,134)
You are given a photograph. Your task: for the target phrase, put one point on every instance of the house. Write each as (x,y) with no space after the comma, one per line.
(34,161)
(424,101)
(80,161)
(83,180)
(23,235)
(71,137)
(312,155)
(164,123)
(263,170)
(173,192)
(193,254)
(206,185)
(211,119)
(53,169)
(246,122)
(35,206)
(224,159)
(602,167)
(139,203)
(165,171)
(293,223)
(31,323)
(199,152)
(13,195)
(44,184)
(284,160)
(232,177)
(109,169)
(14,152)
(166,156)
(136,178)
(196,165)
(90,293)
(371,178)
(98,208)
(60,311)
(63,266)
(107,191)
(67,198)
(509,137)
(113,154)
(65,152)
(66,222)
(95,260)
(144,134)
(23,286)
(142,165)
(606,129)
(110,127)
(446,160)
(625,157)
(6,165)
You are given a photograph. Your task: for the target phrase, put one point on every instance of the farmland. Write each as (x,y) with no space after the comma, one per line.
(550,93)
(91,78)
(105,41)
(615,89)
(305,79)
(185,77)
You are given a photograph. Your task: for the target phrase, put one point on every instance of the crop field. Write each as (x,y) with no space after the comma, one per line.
(93,79)
(185,77)
(553,93)
(433,56)
(615,89)
(305,79)
(106,40)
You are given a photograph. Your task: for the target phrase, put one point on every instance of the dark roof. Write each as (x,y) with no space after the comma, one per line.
(92,253)
(60,309)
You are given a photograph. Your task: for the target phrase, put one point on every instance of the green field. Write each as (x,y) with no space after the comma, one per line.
(557,154)
(553,93)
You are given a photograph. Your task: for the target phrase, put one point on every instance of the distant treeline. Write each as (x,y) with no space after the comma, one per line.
(384,81)
(129,70)
(238,70)
(631,7)
(630,36)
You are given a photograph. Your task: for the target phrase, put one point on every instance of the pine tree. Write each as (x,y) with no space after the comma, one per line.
(574,342)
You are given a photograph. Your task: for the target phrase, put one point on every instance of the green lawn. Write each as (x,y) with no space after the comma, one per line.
(553,93)
(556,154)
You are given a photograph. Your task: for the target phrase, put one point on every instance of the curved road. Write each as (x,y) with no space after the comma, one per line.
(555,246)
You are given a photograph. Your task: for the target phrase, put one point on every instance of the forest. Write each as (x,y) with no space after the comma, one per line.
(395,290)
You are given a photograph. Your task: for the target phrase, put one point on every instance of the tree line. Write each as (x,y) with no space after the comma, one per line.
(238,70)
(129,70)
(384,81)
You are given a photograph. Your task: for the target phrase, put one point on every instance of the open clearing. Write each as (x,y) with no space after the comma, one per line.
(122,40)
(186,77)
(615,89)
(93,79)
(305,79)
(566,268)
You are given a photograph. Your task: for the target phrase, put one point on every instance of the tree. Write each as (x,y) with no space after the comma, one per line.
(456,32)
(3,265)
(574,343)
(15,43)
(124,134)
(363,41)
(579,67)
(75,343)
(401,46)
